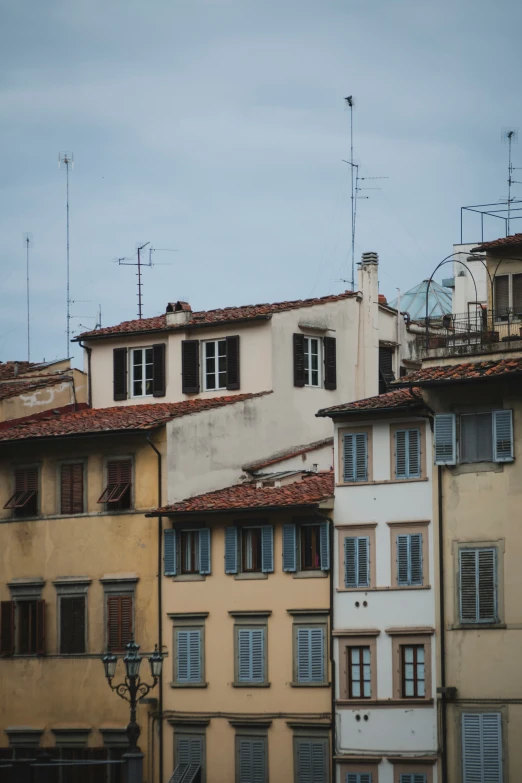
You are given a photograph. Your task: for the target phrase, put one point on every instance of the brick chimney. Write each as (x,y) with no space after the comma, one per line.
(178,313)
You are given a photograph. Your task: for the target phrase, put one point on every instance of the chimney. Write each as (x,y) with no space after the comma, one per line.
(368,375)
(178,313)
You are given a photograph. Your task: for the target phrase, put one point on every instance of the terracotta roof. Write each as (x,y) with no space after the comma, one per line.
(514,239)
(116,419)
(29,384)
(206,317)
(395,399)
(10,370)
(280,456)
(463,372)
(311,490)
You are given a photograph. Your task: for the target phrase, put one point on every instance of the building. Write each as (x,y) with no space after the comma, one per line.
(384,587)
(247,605)
(470,281)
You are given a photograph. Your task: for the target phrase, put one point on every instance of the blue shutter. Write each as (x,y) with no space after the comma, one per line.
(482,747)
(204,551)
(188,653)
(445,439)
(182,656)
(414,454)
(289,548)
(358,777)
(413,777)
(478,585)
(311,761)
(319,769)
(400,455)
(403,569)
(169,551)
(231,550)
(258,655)
(267,549)
(252,760)
(325,547)
(251,655)
(363,561)
(350,561)
(415,543)
(317,655)
(355,456)
(503,436)
(348,461)
(304,673)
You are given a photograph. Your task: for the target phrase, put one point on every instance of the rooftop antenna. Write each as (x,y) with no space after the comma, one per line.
(509,135)
(66,161)
(349,103)
(28,241)
(125,261)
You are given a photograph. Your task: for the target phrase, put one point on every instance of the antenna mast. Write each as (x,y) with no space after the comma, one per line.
(127,262)
(27,242)
(66,161)
(349,102)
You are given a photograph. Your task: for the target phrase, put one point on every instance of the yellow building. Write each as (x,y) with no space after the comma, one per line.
(247,601)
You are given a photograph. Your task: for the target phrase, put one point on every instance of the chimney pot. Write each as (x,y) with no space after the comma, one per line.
(178,313)
(370,258)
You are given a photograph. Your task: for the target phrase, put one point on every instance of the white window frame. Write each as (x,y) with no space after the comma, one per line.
(143,365)
(216,386)
(307,361)
(504,316)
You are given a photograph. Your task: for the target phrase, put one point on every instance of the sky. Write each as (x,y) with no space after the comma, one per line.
(217,129)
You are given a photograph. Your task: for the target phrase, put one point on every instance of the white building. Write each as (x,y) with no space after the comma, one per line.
(384,598)
(470,279)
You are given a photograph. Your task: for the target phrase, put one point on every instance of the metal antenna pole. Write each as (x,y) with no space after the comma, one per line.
(27,240)
(511,136)
(66,159)
(125,261)
(139,284)
(349,101)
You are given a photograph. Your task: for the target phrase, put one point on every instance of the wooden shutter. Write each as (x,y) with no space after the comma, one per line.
(407,454)
(204,551)
(359,777)
(188,653)
(414,455)
(169,552)
(258,655)
(251,654)
(503,436)
(355,457)
(232,362)
(350,561)
(482,747)
(363,561)
(445,442)
(72,488)
(231,550)
(119,622)
(330,363)
(501,288)
(413,777)
(403,569)
(252,760)
(299,367)
(516,282)
(158,370)
(478,585)
(400,454)
(119,363)
(190,366)
(7,628)
(310,655)
(415,557)
(72,625)
(119,482)
(40,627)
(311,761)
(289,548)
(325,546)
(267,549)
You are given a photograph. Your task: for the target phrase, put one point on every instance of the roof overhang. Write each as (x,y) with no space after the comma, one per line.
(326,504)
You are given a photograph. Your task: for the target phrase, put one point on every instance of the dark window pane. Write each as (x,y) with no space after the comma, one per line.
(26,617)
(251,554)
(310,547)
(476,439)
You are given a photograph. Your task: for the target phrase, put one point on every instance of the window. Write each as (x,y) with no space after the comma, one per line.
(357,561)
(250,643)
(22,626)
(413,777)
(413,671)
(310,655)
(215,364)
(189,757)
(120,609)
(478,585)
(72,624)
(407,453)
(355,457)
(482,747)
(359,673)
(409,559)
(249,549)
(484,437)
(117,495)
(311,756)
(189,656)
(147,370)
(315,361)
(186,551)
(508,296)
(386,374)
(220,365)
(251,759)
(306,546)
(24,501)
(71,488)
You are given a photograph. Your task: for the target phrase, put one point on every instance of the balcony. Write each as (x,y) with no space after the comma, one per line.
(480,331)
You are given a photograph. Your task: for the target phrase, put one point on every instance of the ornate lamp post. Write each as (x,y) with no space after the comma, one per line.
(133,688)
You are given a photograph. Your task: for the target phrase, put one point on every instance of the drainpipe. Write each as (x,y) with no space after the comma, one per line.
(89,381)
(160,609)
(444,716)
(331,533)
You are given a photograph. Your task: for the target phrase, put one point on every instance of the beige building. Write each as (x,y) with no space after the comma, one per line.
(247,600)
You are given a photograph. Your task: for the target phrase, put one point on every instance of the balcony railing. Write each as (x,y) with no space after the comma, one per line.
(480,330)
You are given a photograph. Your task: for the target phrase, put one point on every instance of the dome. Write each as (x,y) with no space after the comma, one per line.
(414,301)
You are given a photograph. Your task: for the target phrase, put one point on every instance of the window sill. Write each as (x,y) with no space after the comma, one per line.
(361,704)
(462,468)
(310,574)
(478,627)
(189,685)
(250,684)
(251,575)
(310,684)
(380,589)
(189,578)
(383,481)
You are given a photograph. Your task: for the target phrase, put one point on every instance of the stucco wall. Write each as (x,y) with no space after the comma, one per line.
(464,291)
(48,397)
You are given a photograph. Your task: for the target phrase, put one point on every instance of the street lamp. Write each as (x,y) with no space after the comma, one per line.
(133,688)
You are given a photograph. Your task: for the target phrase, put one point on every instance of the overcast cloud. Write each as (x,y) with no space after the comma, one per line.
(217,127)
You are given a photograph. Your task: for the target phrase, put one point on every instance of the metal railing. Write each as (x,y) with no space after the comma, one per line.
(479,329)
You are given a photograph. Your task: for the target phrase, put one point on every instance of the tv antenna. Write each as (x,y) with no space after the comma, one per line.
(128,261)
(66,161)
(28,241)
(349,103)
(510,136)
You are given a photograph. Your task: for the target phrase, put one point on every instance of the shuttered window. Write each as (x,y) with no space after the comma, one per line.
(72,624)
(413,777)
(190,366)
(409,559)
(119,621)
(482,747)
(249,549)
(251,760)
(386,374)
(306,546)
(189,757)
(186,552)
(142,372)
(7,628)
(357,561)
(476,437)
(407,453)
(310,655)
(445,439)
(189,656)
(251,655)
(503,436)
(24,501)
(71,488)
(119,361)
(478,585)
(359,777)
(289,547)
(312,361)
(355,457)
(501,289)
(221,364)
(359,673)
(159,380)
(330,363)
(30,627)
(118,492)
(311,760)
(310,538)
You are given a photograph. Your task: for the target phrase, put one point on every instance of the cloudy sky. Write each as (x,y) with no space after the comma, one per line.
(217,128)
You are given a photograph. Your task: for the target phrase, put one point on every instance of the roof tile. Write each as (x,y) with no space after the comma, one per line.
(492,368)
(514,239)
(395,399)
